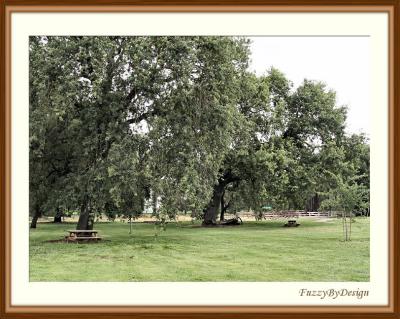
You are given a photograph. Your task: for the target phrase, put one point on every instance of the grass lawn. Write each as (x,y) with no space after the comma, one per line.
(255,251)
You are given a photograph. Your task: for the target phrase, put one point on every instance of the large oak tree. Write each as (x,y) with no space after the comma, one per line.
(117,120)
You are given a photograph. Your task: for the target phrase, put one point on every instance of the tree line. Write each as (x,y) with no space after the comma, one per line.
(181,122)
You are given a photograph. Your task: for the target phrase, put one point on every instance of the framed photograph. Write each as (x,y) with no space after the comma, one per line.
(217,159)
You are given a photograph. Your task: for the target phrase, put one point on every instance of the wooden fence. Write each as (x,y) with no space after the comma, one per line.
(288,214)
(295,214)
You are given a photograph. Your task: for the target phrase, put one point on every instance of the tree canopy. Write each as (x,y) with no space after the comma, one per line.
(180,121)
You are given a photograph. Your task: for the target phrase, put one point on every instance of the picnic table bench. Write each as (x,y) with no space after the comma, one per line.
(80,234)
(292,223)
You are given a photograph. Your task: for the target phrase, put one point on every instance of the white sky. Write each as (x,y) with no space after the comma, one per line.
(342,63)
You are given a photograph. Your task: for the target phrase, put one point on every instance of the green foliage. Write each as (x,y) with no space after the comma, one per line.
(115,121)
(112,117)
(346,197)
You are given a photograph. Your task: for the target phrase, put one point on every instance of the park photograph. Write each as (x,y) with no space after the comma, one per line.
(199,159)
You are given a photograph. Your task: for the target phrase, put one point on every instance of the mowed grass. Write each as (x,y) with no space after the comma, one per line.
(255,251)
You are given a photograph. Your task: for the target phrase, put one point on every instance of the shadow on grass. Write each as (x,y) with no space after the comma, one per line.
(180,231)
(255,224)
(62,240)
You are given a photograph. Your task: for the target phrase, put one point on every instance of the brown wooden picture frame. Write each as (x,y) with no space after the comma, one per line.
(392,7)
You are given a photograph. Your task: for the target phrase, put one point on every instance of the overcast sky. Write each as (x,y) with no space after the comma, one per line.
(342,63)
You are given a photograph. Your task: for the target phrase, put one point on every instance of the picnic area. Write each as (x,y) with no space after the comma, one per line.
(254,251)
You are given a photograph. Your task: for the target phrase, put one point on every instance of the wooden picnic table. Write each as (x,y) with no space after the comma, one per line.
(80,234)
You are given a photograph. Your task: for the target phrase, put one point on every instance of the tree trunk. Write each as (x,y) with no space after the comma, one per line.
(224,207)
(34,221)
(351,220)
(57,217)
(154,202)
(212,210)
(86,219)
(222,216)
(35,217)
(313,203)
